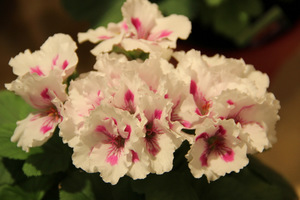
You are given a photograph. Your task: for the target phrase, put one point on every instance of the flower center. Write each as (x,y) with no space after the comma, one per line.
(54,114)
(151,139)
(119,142)
(215,144)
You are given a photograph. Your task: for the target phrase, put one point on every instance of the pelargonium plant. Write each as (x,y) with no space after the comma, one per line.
(146,114)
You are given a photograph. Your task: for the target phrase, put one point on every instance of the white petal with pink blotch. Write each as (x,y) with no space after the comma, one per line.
(216,150)
(46,95)
(85,94)
(58,52)
(38,91)
(106,143)
(159,140)
(255,117)
(143,27)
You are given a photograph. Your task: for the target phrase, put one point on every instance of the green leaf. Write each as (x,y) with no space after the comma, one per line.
(5,177)
(176,185)
(180,7)
(40,184)
(112,14)
(12,108)
(213,3)
(35,185)
(31,170)
(229,20)
(15,169)
(76,186)
(7,148)
(56,156)
(94,11)
(131,55)
(101,189)
(256,181)
(123,189)
(9,192)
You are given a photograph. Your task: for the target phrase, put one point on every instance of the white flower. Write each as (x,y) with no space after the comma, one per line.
(107,143)
(46,95)
(109,37)
(209,77)
(250,81)
(177,90)
(255,117)
(58,52)
(143,27)
(159,140)
(216,150)
(85,94)
(152,71)
(202,87)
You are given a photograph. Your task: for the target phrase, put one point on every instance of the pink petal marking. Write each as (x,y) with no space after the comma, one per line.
(124,26)
(128,130)
(159,35)
(91,150)
(152,145)
(112,159)
(45,94)
(102,129)
(197,111)
(203,105)
(176,117)
(215,144)
(53,117)
(157,114)
(115,121)
(193,88)
(164,33)
(46,128)
(238,119)
(116,143)
(202,136)
(141,33)
(65,64)
(230,102)
(54,60)
(151,138)
(186,124)
(136,23)
(37,70)
(228,156)
(129,102)
(98,99)
(103,37)
(203,159)
(135,156)
(221,130)
(129,97)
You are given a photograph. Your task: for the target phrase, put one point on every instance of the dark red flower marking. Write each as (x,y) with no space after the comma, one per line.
(152,133)
(215,144)
(117,143)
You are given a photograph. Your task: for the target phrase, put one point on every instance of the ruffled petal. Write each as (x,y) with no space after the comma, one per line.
(58,52)
(216,150)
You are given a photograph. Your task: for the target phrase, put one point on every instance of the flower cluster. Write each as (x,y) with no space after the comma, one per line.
(129,115)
